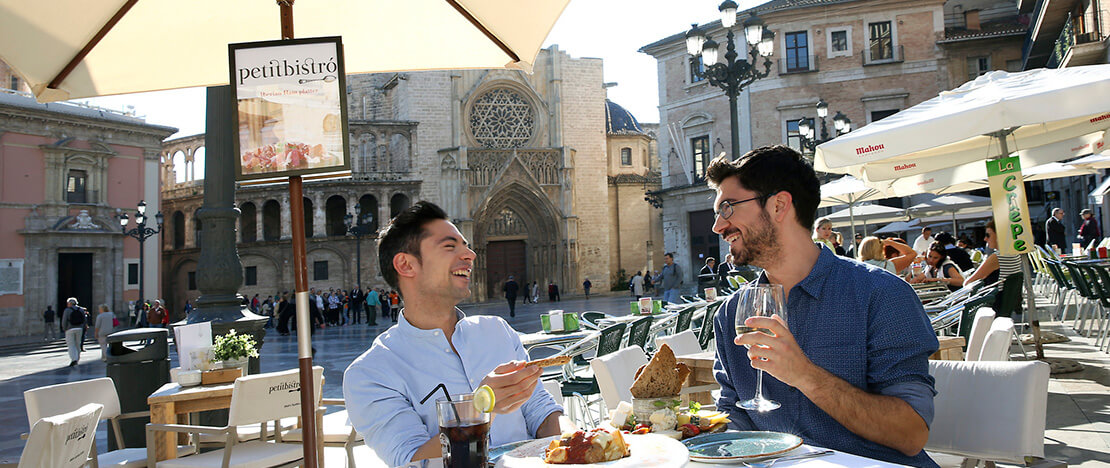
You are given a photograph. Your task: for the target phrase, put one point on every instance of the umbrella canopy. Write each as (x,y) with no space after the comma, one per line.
(849,190)
(163,44)
(899,227)
(951,204)
(867,214)
(1094,161)
(973,175)
(1031,109)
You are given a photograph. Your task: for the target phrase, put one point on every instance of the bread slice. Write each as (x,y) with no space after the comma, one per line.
(551,361)
(659,378)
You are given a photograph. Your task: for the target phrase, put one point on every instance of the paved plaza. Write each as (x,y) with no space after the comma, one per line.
(1077,431)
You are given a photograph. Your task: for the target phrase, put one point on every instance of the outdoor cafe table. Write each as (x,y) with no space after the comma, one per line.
(632,318)
(554,340)
(172,403)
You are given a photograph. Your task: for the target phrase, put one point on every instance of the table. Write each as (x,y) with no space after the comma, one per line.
(172,403)
(701,373)
(951,349)
(555,340)
(632,318)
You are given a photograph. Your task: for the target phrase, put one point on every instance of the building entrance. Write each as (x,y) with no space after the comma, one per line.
(703,242)
(504,258)
(75,279)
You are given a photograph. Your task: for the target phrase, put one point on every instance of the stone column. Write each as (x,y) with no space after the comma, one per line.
(221,272)
(383,209)
(258,219)
(286,219)
(319,221)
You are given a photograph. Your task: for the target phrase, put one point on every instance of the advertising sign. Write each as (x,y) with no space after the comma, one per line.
(290,108)
(1011,212)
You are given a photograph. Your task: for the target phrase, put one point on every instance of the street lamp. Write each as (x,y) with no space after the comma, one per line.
(841,124)
(735,73)
(359,229)
(140,232)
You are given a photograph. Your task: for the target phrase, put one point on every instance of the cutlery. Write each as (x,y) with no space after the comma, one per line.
(768,463)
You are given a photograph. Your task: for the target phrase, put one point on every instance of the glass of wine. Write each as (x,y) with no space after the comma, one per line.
(759,300)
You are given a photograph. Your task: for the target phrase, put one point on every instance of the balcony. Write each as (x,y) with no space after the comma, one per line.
(803,64)
(876,54)
(1073,48)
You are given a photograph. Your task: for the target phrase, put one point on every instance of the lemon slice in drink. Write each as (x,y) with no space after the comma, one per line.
(484,399)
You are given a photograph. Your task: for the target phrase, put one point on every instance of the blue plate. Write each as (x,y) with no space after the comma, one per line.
(740,446)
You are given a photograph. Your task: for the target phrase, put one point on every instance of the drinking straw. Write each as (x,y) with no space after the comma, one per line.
(448,396)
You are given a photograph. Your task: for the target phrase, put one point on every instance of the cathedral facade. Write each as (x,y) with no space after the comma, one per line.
(522,163)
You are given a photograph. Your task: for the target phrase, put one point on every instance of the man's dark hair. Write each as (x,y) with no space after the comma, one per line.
(403,235)
(769,170)
(944,238)
(669,254)
(926,228)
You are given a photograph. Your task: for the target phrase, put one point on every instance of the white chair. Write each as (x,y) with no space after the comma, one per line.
(996,345)
(681,343)
(62,398)
(993,411)
(556,390)
(335,430)
(615,373)
(979,327)
(62,441)
(254,399)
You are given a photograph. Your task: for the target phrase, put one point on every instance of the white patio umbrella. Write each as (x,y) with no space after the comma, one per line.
(867,214)
(849,191)
(165,44)
(986,118)
(899,226)
(1094,161)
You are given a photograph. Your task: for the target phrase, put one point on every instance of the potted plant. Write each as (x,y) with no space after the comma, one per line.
(234,350)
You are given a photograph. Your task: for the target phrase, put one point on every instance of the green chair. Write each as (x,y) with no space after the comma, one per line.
(1010,296)
(1083,286)
(591,317)
(638,333)
(682,322)
(583,387)
(705,334)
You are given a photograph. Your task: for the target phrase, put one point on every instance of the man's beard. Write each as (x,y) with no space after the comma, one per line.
(760,246)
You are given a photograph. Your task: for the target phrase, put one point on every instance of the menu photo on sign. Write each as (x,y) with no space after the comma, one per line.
(290,108)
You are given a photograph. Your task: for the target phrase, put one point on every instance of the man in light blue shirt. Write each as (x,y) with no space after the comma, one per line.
(426,258)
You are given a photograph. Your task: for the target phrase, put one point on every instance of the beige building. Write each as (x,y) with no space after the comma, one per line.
(867,59)
(521,163)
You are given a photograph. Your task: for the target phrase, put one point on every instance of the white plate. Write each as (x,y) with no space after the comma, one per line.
(647,451)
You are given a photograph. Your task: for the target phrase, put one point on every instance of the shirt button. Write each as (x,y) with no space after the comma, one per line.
(446,350)
(436,333)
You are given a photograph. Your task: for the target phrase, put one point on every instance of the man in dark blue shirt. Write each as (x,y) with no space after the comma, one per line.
(851,368)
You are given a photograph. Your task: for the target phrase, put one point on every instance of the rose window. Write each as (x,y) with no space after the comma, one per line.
(502,118)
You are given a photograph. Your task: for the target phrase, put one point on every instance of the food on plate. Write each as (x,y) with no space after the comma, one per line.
(661,377)
(285,156)
(331,123)
(584,447)
(670,420)
(551,361)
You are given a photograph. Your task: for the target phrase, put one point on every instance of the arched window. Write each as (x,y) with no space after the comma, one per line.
(178,230)
(368,205)
(334,210)
(271,220)
(248,222)
(198,164)
(626,156)
(198,227)
(179,169)
(309,226)
(397,204)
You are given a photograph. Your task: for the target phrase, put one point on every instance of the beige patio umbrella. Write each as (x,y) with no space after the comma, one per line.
(67,49)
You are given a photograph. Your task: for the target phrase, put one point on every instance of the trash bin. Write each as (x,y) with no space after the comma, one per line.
(139,364)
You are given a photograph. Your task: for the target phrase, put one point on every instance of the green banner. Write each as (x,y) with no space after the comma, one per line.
(1011,211)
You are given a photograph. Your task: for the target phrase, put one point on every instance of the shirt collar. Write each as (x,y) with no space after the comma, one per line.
(407,328)
(815,280)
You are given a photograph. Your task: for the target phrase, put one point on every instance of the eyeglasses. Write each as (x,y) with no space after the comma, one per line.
(725,210)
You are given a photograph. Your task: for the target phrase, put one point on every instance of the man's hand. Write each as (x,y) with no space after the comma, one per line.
(512,384)
(778,355)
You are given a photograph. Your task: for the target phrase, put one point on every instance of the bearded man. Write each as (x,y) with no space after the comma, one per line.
(851,368)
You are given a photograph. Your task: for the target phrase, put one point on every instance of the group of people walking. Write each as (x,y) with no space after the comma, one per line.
(334,307)
(74,322)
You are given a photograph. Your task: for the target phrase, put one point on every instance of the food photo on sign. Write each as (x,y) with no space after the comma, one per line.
(290,108)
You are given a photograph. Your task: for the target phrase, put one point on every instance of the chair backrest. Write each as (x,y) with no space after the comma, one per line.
(63,440)
(610,339)
(980,325)
(1103,283)
(681,343)
(685,316)
(996,345)
(638,332)
(1011,293)
(705,334)
(989,410)
(1079,280)
(63,398)
(615,373)
(271,396)
(591,317)
(555,389)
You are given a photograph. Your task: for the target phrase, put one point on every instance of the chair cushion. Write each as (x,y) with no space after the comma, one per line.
(255,454)
(132,457)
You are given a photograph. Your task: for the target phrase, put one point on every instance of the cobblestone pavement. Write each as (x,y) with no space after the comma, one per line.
(1077,428)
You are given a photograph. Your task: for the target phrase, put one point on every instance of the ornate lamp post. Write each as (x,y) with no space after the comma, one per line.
(841,123)
(140,232)
(359,229)
(735,73)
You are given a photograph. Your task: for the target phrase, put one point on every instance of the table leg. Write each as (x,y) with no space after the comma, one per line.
(165,446)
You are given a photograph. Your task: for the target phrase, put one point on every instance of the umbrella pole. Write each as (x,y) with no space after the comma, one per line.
(300,279)
(1031,305)
(852,218)
(955,230)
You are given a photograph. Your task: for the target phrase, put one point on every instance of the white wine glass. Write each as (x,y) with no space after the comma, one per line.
(759,300)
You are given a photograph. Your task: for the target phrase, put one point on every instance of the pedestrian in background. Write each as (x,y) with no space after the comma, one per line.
(104,325)
(394,305)
(73,319)
(1088,232)
(586,285)
(510,289)
(1054,230)
(535,292)
(372,305)
(670,278)
(48,332)
(637,285)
